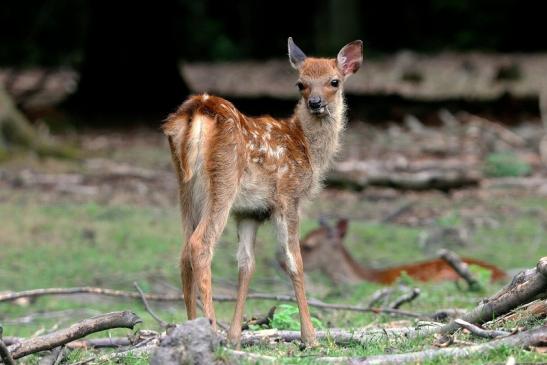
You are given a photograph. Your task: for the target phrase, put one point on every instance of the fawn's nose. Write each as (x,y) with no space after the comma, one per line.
(314,102)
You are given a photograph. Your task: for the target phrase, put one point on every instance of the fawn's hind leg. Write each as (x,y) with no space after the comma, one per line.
(187,277)
(201,245)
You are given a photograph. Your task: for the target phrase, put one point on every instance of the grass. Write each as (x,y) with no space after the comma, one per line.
(62,243)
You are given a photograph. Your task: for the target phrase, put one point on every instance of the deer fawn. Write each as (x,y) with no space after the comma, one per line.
(257,168)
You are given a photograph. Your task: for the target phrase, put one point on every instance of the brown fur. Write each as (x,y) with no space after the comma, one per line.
(323,249)
(256,168)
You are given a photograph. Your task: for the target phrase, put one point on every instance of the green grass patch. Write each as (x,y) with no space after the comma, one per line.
(65,244)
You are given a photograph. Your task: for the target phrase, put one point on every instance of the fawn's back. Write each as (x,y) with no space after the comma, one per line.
(264,157)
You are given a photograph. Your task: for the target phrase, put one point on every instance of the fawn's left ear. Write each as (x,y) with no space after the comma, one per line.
(350,57)
(296,56)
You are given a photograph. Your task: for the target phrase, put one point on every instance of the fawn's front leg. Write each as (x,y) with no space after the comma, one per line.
(246,231)
(286,225)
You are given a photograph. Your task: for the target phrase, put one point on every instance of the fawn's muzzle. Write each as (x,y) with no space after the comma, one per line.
(314,103)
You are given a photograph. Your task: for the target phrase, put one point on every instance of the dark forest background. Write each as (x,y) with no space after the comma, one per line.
(54,32)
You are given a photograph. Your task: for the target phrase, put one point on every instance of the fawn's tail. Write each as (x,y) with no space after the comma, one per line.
(191,126)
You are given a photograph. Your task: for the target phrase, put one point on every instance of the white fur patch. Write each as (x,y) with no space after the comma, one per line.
(283,240)
(246,231)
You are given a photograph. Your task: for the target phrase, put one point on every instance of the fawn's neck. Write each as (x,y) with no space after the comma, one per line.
(322,133)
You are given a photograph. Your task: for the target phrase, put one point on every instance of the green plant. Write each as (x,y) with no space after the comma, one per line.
(286,318)
(483,275)
(505,164)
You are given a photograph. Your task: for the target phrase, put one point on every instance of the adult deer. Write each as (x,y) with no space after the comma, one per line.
(257,168)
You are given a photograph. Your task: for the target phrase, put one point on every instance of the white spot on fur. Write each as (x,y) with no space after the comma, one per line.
(246,231)
(282,170)
(205,97)
(283,240)
(276,152)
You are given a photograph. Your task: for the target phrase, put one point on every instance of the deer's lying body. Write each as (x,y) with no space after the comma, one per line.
(323,249)
(257,168)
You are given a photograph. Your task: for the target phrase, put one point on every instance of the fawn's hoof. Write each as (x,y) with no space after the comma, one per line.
(234,342)
(309,343)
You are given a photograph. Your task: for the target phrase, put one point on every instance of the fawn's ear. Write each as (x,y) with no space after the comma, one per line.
(296,56)
(350,57)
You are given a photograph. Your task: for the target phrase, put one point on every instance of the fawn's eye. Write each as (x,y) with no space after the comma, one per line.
(300,86)
(335,83)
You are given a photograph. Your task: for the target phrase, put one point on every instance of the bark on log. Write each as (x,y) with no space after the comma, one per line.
(78,330)
(15,129)
(439,179)
(524,288)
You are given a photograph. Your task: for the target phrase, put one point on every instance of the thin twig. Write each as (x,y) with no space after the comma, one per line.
(476,330)
(5,355)
(356,308)
(217,298)
(405,298)
(379,295)
(60,356)
(161,322)
(460,267)
(264,321)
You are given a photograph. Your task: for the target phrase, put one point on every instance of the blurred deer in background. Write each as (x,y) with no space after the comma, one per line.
(323,249)
(257,168)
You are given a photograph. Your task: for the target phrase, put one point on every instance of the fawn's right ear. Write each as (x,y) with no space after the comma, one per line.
(296,56)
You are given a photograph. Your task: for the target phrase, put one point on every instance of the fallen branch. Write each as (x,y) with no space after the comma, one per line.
(524,288)
(161,322)
(338,335)
(481,332)
(460,267)
(10,296)
(97,343)
(239,357)
(178,298)
(78,330)
(405,298)
(379,295)
(523,339)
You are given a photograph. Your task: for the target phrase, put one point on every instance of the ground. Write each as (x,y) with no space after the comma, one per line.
(112,219)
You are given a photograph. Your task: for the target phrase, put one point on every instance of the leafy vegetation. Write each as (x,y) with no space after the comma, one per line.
(505,164)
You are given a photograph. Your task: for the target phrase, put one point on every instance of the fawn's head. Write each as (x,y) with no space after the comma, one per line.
(321,80)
